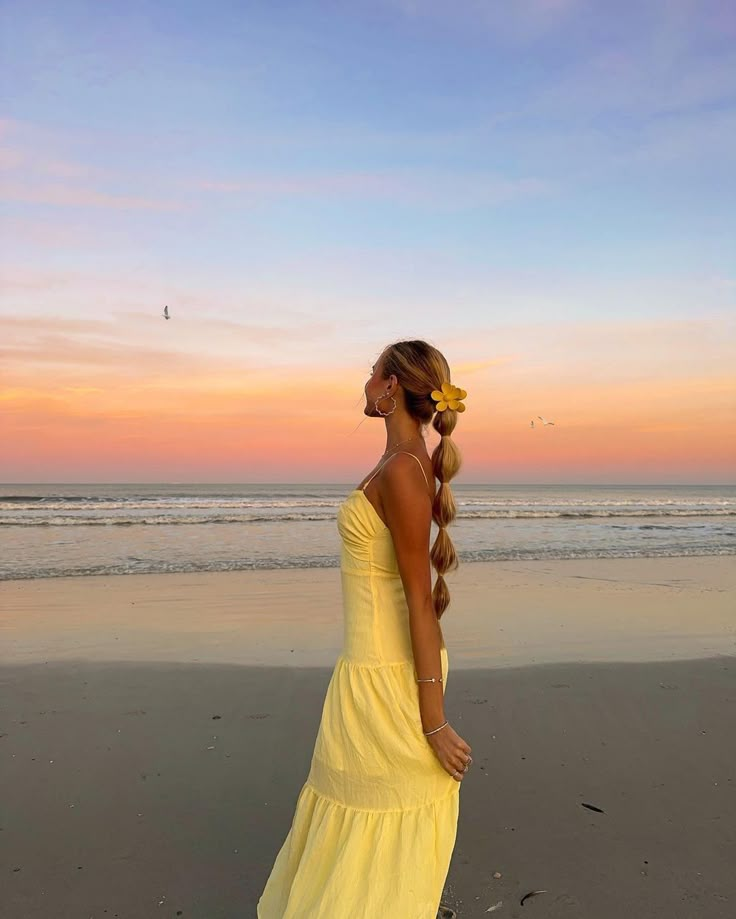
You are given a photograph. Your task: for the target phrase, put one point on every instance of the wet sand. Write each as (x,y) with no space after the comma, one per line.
(150,764)
(502,614)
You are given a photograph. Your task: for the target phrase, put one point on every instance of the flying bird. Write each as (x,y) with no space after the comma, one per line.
(531,423)
(543,421)
(166,313)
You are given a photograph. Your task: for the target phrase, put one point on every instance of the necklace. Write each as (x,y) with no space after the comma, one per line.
(415,437)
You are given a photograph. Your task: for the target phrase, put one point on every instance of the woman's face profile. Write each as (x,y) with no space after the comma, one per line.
(375,387)
(374,374)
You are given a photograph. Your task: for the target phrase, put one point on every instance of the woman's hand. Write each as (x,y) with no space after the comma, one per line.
(451,750)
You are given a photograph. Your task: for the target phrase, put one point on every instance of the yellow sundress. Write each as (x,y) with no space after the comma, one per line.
(375,823)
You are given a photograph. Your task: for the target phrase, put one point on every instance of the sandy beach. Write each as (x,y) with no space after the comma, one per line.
(156,730)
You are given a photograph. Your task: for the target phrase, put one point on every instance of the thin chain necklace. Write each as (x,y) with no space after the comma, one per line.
(415,437)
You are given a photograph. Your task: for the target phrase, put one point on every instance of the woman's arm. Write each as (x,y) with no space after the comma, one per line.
(407,509)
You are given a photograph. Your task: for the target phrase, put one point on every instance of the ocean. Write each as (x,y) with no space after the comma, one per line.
(79,530)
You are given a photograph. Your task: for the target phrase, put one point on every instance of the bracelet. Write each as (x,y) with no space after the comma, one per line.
(426,733)
(431,679)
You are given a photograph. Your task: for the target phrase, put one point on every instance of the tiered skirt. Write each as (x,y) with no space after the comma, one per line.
(375,822)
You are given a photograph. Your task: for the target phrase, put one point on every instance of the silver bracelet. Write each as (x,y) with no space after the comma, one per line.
(426,733)
(430,679)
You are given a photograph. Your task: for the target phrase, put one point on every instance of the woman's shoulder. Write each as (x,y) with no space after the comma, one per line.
(404,470)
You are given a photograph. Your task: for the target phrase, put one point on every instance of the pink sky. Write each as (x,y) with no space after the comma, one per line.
(135,398)
(542,189)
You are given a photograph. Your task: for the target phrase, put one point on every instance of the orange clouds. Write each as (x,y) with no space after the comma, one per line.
(122,390)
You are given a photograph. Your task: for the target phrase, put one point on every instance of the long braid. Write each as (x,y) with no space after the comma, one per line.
(421,368)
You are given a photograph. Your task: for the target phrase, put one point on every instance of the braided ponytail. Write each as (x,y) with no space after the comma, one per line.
(421,369)
(446,461)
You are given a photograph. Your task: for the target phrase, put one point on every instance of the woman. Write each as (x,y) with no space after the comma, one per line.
(375,823)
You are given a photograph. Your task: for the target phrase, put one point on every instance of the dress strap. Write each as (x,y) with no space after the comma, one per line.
(392,455)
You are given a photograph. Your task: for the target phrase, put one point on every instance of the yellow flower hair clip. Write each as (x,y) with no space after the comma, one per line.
(449,397)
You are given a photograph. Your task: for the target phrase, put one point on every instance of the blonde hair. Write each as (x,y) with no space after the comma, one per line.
(421,368)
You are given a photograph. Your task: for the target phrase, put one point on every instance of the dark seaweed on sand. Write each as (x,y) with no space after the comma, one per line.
(592,807)
(532,893)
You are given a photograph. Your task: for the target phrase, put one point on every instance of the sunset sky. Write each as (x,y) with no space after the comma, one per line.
(542,189)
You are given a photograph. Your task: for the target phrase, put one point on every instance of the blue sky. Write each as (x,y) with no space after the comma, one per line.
(544,189)
(584,140)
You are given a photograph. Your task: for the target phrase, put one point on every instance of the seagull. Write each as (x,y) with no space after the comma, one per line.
(543,421)
(531,423)
(166,313)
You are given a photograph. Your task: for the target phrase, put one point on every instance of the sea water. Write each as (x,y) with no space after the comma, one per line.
(76,530)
